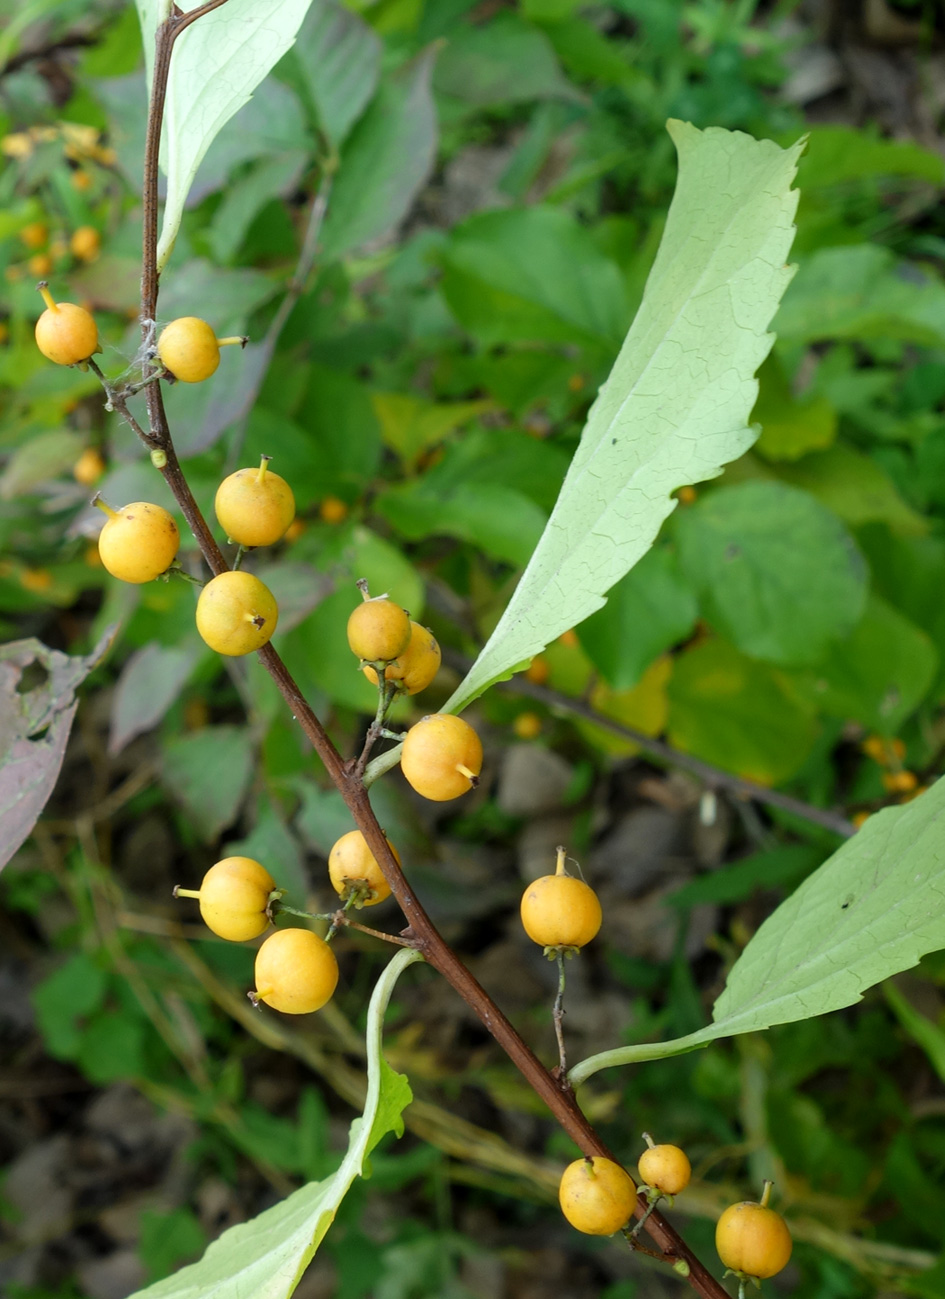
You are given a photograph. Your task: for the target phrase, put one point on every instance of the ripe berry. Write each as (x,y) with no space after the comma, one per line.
(442,757)
(559,910)
(753,1240)
(664,1168)
(85,243)
(296,972)
(190,350)
(236,613)
(414,667)
(254,507)
(34,235)
(234,895)
(378,629)
(138,542)
(89,467)
(333,510)
(354,870)
(65,333)
(597,1196)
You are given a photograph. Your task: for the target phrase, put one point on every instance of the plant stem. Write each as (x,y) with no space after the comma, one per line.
(420,932)
(558,1016)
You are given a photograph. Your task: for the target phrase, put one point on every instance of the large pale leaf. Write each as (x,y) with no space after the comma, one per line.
(216,65)
(676,404)
(35,721)
(265,1258)
(873,909)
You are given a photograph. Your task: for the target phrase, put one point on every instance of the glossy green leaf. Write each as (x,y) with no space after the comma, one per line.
(870,911)
(386,159)
(862,292)
(878,674)
(267,1256)
(648,611)
(216,65)
(739,714)
(675,406)
(777,572)
(533,275)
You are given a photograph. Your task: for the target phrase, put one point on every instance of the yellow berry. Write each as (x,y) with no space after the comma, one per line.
(233,896)
(752,1239)
(190,350)
(537,670)
(560,911)
(65,333)
(378,630)
(138,542)
(89,467)
(527,726)
(296,971)
(666,1168)
(40,265)
(85,243)
(441,757)
(253,506)
(414,667)
(333,510)
(34,235)
(597,1196)
(236,613)
(353,869)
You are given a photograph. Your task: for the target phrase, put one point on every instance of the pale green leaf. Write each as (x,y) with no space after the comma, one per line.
(216,65)
(873,909)
(675,406)
(266,1257)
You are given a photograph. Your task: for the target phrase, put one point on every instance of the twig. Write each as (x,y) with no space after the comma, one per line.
(420,931)
(713,777)
(558,1016)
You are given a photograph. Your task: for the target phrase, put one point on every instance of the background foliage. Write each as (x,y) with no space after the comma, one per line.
(502,181)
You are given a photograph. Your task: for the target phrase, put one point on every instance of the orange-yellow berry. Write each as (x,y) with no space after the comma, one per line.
(753,1240)
(65,333)
(665,1168)
(190,350)
(596,1196)
(378,630)
(138,542)
(296,972)
(89,467)
(354,870)
(254,507)
(441,757)
(236,613)
(85,243)
(560,910)
(414,667)
(234,895)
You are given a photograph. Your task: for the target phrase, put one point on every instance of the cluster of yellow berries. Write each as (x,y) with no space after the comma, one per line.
(48,251)
(599,1198)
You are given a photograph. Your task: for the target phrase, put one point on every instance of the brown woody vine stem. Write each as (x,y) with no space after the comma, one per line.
(420,931)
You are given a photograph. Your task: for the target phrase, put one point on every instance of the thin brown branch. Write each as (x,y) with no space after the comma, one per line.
(711,776)
(420,931)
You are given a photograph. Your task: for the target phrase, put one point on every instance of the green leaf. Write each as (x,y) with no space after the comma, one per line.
(387,158)
(533,275)
(673,410)
(775,868)
(167,1238)
(41,458)
(501,521)
(837,154)
(339,57)
(870,911)
(649,610)
(878,674)
(266,1257)
(739,714)
(209,773)
(71,992)
(778,574)
(338,415)
(924,1031)
(410,425)
(217,63)
(501,62)
(855,487)
(862,292)
(35,721)
(150,682)
(270,841)
(790,427)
